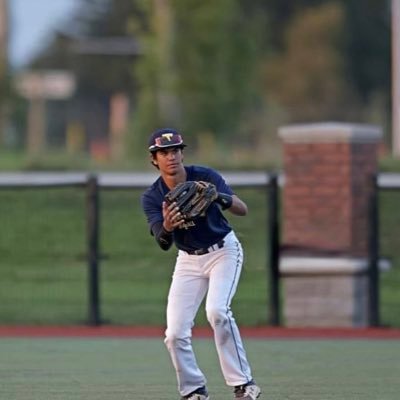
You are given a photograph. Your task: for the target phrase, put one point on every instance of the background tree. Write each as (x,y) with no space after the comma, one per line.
(308,78)
(368,45)
(204,63)
(363,47)
(208,66)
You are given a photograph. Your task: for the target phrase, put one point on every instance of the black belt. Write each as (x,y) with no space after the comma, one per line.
(200,252)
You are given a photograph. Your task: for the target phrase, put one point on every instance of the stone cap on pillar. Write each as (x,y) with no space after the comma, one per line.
(321,266)
(327,132)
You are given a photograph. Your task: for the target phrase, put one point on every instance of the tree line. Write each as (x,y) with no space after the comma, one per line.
(234,69)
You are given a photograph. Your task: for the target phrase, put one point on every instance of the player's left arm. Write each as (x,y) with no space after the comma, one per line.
(232,203)
(238,207)
(226,198)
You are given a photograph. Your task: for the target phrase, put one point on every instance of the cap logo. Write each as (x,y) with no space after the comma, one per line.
(168,139)
(168,136)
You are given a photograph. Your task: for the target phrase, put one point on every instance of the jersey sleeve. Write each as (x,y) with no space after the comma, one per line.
(152,209)
(219,182)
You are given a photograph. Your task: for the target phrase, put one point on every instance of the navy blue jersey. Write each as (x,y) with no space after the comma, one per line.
(205,230)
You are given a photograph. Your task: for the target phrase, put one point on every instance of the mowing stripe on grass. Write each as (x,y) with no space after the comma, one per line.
(140,369)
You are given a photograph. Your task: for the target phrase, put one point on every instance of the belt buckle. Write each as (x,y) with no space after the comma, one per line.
(214,247)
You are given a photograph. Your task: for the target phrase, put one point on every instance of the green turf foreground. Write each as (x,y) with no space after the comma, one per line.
(140,369)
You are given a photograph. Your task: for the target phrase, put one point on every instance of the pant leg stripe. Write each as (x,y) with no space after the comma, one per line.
(227,310)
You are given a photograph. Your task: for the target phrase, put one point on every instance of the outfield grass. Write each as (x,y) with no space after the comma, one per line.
(43,269)
(389,236)
(126,369)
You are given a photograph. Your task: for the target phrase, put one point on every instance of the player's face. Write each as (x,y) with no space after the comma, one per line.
(169,160)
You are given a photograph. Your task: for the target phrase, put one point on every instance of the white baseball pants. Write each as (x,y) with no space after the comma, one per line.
(215,274)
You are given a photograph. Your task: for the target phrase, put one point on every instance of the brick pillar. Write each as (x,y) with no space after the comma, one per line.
(328,169)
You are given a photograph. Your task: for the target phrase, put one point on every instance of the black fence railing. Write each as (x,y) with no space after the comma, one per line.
(274,246)
(93,226)
(373,250)
(93,185)
(271,182)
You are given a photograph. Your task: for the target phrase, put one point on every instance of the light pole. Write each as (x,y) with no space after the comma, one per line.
(396,78)
(3,34)
(3,64)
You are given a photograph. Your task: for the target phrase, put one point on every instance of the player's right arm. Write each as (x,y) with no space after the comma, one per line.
(172,216)
(163,237)
(162,219)
(162,230)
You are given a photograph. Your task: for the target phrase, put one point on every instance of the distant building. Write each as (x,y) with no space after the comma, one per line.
(94,118)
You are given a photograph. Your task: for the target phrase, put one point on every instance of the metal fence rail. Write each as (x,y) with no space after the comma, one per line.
(271,181)
(116,180)
(388,181)
(94,183)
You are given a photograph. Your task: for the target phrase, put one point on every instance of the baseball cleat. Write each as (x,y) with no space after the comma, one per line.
(198,394)
(197,397)
(249,391)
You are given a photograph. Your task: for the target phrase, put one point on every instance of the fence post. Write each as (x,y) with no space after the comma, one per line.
(373,255)
(93,250)
(273,233)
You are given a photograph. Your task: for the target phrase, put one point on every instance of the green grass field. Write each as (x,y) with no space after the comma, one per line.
(43,272)
(140,369)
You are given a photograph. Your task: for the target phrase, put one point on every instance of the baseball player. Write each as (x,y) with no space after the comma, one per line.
(208,263)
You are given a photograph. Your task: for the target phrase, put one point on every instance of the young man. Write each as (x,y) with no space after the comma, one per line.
(208,264)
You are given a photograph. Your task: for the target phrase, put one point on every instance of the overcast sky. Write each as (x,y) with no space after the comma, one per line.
(31,24)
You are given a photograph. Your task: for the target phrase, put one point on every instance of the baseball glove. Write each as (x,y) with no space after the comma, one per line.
(192,198)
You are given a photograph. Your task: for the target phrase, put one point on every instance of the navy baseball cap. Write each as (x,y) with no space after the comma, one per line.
(164,138)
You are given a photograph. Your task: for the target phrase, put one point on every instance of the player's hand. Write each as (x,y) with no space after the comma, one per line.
(172,216)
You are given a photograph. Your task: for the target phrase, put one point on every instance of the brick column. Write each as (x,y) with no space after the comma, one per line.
(328,169)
